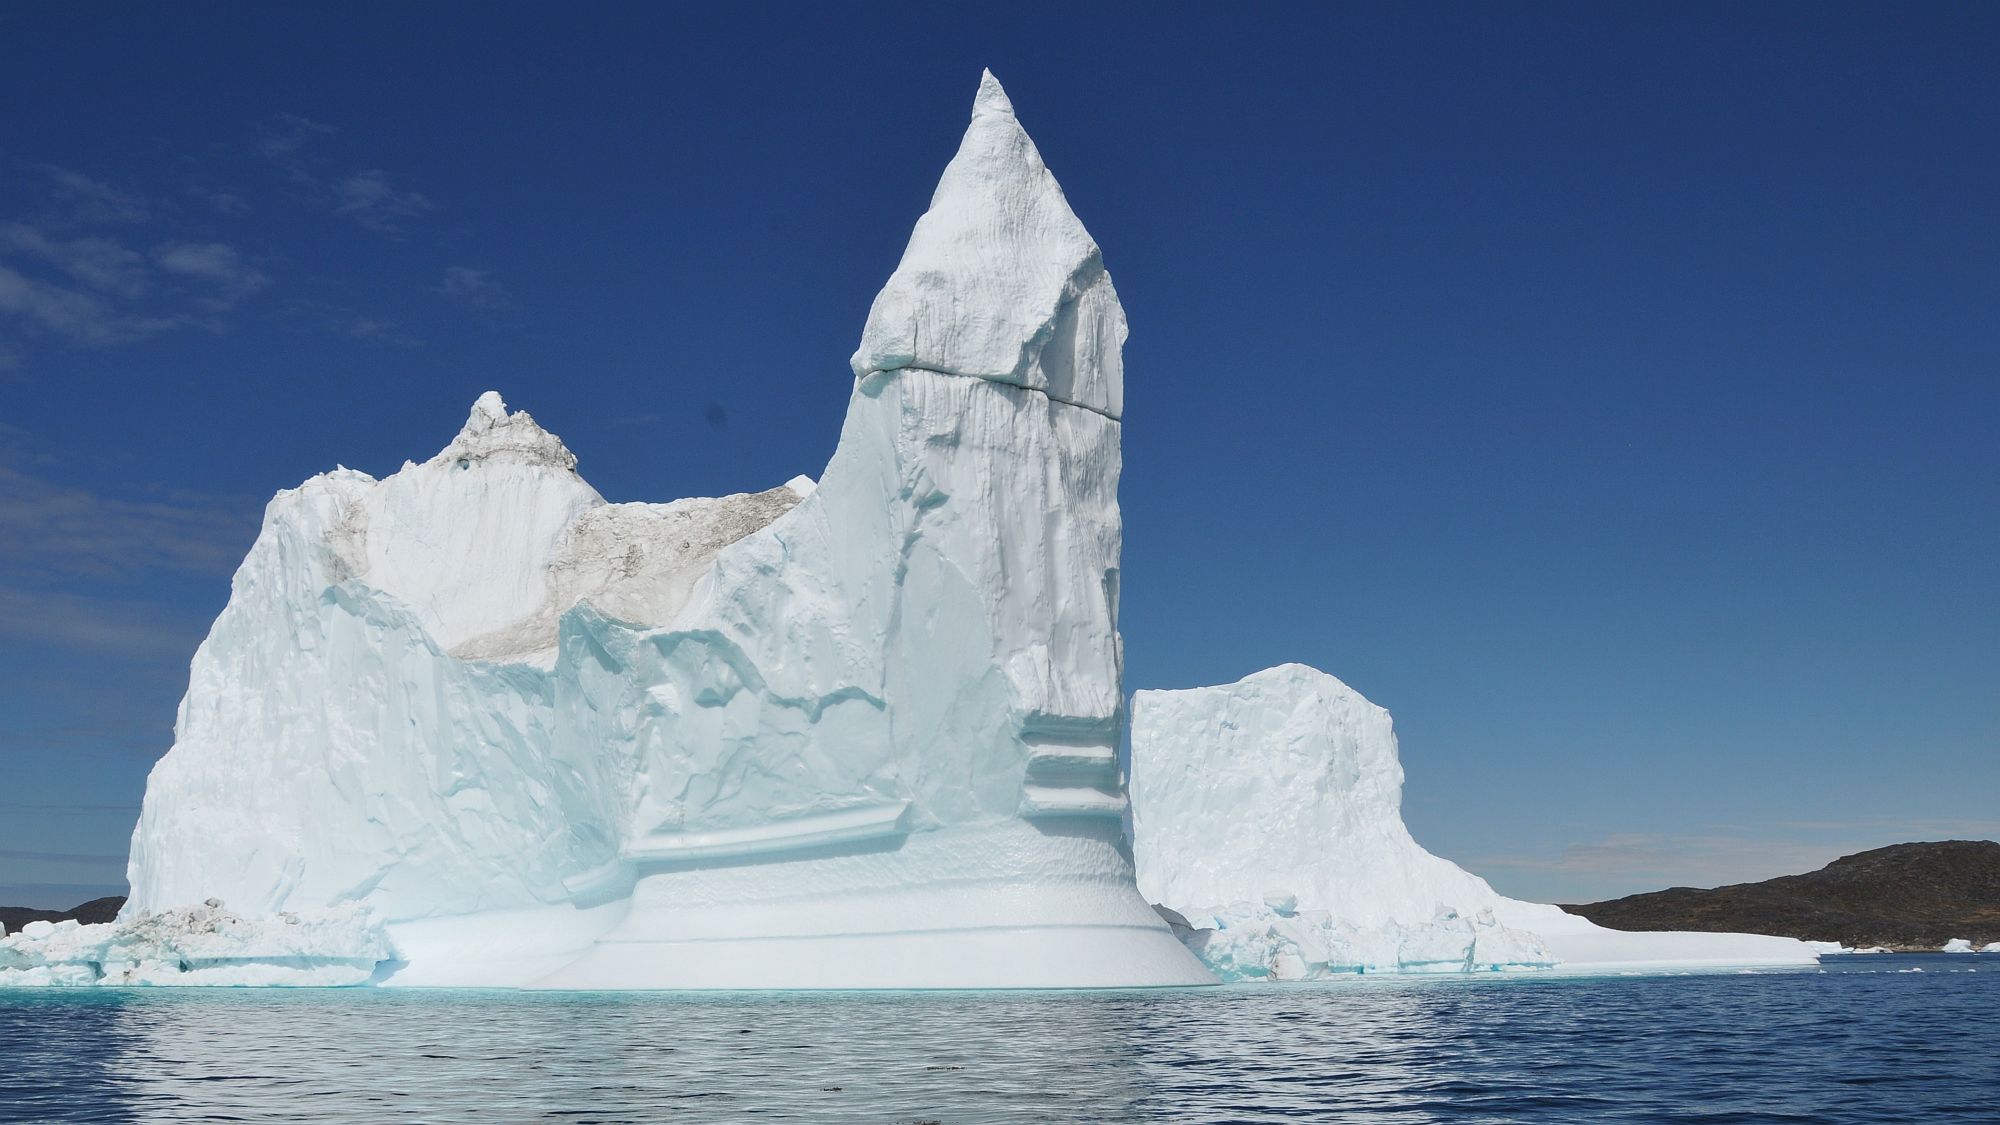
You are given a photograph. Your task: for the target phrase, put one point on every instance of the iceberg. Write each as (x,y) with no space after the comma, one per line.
(1958,945)
(470,724)
(1267,826)
(859,732)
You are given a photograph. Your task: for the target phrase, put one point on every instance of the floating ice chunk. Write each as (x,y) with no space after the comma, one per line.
(203,944)
(1957,945)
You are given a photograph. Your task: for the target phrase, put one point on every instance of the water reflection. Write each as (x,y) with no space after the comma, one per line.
(1796,1046)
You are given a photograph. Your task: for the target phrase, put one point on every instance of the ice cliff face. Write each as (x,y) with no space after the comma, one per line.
(1267,820)
(853,734)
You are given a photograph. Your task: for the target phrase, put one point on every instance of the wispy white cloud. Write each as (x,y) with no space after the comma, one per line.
(371,200)
(216,264)
(99,263)
(285,137)
(352,323)
(369,197)
(475,289)
(75,315)
(79,622)
(50,528)
(85,200)
(98,292)
(379,331)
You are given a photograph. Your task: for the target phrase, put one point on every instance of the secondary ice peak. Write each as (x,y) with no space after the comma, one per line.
(493,434)
(992,98)
(486,410)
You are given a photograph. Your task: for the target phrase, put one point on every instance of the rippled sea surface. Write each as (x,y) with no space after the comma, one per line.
(1862,1041)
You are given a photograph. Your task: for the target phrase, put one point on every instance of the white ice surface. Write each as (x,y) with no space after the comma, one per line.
(1958,945)
(1268,813)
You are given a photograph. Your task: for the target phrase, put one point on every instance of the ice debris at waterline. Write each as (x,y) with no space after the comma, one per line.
(203,944)
(1267,824)
(862,733)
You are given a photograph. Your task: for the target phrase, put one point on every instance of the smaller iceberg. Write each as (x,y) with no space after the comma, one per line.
(1267,829)
(1958,945)
(1267,816)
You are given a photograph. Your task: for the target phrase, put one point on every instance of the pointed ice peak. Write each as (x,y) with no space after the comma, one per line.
(486,410)
(991,98)
(492,434)
(1000,279)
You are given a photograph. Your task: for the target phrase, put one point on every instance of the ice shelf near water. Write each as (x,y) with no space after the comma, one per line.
(203,944)
(1267,820)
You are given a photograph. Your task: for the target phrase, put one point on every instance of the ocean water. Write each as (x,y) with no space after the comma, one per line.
(1862,1040)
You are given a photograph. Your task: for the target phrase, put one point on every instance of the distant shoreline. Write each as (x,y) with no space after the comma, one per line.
(1904,898)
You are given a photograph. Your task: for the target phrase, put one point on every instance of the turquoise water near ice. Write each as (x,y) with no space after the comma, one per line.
(1857,1040)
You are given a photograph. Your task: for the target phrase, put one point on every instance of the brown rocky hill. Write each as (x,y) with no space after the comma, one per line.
(96,910)
(1904,896)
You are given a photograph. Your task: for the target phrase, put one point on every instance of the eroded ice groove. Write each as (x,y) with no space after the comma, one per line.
(1267,819)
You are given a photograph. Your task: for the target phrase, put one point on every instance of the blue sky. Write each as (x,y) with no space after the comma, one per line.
(1609,391)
